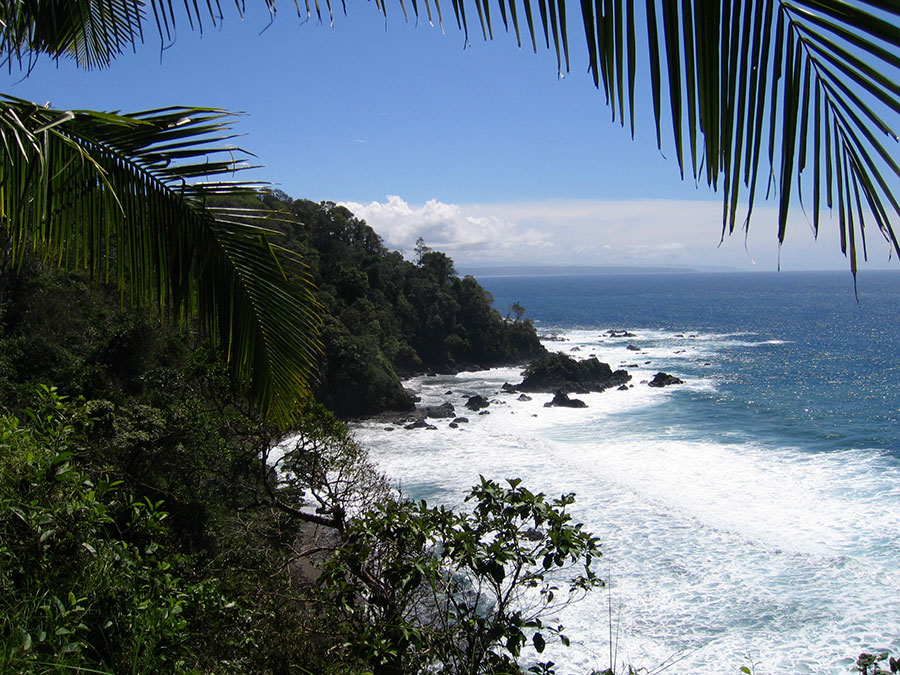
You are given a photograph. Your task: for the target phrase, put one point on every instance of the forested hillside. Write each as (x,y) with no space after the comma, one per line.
(386,317)
(143,524)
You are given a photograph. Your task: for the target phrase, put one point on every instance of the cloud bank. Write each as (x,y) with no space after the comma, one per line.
(464,234)
(595,232)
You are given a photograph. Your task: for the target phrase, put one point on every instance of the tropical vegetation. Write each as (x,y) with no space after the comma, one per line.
(781,93)
(152,516)
(385,317)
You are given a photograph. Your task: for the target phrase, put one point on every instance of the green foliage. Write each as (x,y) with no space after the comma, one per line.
(421,589)
(386,317)
(324,466)
(85,576)
(873,661)
(122,197)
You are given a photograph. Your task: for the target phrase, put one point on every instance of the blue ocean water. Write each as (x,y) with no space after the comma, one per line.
(824,372)
(750,516)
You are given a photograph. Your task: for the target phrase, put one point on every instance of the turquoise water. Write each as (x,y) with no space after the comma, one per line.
(749,516)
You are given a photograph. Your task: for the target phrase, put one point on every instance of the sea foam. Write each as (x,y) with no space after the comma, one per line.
(721,550)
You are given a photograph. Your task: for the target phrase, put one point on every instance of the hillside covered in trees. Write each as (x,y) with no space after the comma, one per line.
(144,526)
(385,317)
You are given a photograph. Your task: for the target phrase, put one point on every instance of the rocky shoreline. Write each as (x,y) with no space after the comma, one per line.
(555,373)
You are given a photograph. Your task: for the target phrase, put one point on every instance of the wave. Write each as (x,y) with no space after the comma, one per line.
(718,544)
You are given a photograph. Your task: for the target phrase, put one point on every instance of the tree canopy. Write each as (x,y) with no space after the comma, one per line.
(799,97)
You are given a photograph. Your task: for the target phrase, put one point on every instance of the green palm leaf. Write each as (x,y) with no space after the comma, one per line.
(758,91)
(119,195)
(754,86)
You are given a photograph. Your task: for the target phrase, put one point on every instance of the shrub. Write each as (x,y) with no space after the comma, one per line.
(420,588)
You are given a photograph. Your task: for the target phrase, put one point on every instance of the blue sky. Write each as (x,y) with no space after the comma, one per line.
(483,151)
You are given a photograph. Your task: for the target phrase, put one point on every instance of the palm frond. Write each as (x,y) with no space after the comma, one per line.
(759,91)
(119,195)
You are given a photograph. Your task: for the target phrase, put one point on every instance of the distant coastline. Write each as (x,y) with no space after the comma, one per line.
(480,271)
(488,271)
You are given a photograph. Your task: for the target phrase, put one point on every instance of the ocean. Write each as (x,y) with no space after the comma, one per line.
(748,517)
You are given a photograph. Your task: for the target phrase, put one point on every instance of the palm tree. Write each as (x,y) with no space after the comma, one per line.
(794,94)
(122,197)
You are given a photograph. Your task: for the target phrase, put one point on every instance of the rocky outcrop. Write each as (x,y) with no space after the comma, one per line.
(477,402)
(419,424)
(562,400)
(664,380)
(559,372)
(440,411)
(551,337)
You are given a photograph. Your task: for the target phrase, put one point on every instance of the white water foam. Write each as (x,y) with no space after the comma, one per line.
(720,554)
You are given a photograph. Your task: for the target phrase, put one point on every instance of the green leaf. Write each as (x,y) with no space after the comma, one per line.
(93,188)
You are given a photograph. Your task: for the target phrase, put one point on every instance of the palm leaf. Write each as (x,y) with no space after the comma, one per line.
(119,196)
(743,90)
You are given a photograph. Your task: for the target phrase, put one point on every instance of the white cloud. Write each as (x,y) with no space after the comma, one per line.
(594,232)
(465,235)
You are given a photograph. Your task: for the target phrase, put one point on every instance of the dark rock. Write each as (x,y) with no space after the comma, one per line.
(562,400)
(440,411)
(453,425)
(461,420)
(477,402)
(619,333)
(575,349)
(560,372)
(552,337)
(389,428)
(485,412)
(632,348)
(448,393)
(413,396)
(680,335)
(419,424)
(508,388)
(664,380)
(524,397)
(623,387)
(431,374)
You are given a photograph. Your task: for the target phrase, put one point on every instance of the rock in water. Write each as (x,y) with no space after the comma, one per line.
(420,424)
(477,402)
(440,411)
(562,400)
(664,380)
(559,372)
